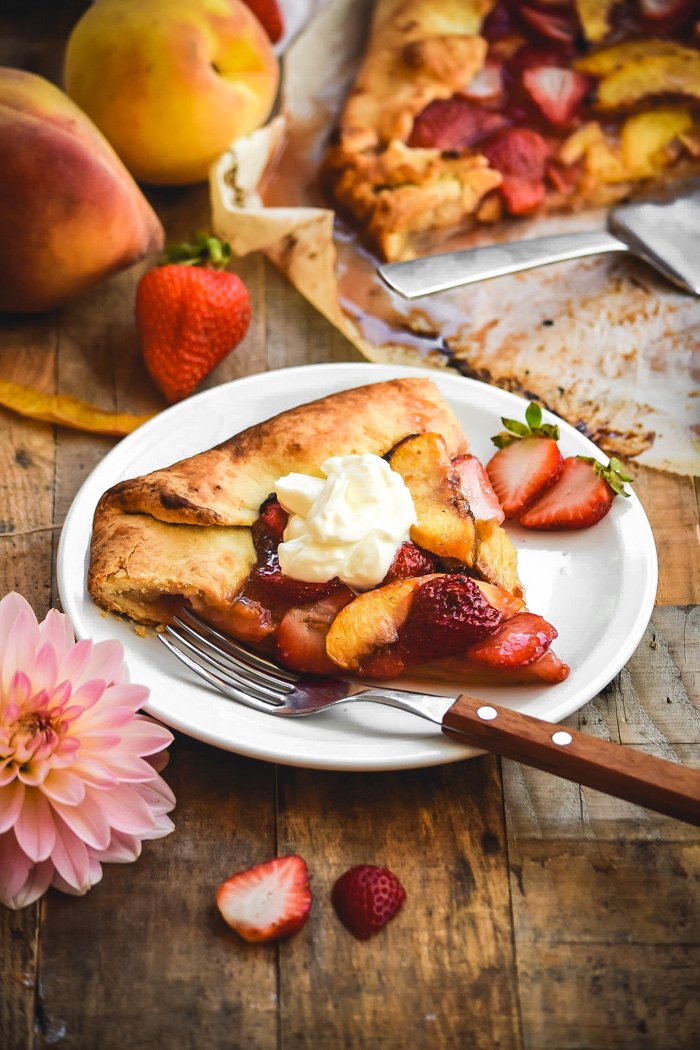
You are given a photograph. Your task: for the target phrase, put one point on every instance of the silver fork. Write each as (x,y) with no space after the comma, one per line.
(253,680)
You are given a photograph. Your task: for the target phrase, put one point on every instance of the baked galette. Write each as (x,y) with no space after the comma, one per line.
(466,111)
(350,534)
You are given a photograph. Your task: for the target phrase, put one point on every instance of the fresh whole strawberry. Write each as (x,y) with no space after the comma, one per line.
(269,901)
(190,316)
(269,15)
(365,898)
(528,461)
(581,497)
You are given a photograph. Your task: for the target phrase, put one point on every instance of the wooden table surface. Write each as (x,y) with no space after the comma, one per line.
(539,914)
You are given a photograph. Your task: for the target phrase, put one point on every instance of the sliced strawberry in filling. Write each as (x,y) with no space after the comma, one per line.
(557,25)
(301,636)
(409,561)
(557,92)
(519,640)
(454,124)
(448,613)
(520,155)
(477,489)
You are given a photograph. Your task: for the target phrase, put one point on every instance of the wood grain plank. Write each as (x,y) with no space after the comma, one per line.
(441,973)
(672,508)
(145,959)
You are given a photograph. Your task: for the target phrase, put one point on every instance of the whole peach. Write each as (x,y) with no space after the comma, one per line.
(70,212)
(171,83)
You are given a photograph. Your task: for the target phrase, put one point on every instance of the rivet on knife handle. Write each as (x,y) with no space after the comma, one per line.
(620,771)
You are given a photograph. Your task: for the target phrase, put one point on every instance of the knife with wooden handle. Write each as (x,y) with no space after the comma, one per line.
(621,771)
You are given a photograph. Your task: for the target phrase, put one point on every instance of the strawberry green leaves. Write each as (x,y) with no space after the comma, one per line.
(205,250)
(614,473)
(532,427)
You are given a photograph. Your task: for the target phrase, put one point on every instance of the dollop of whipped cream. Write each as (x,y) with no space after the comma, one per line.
(349,524)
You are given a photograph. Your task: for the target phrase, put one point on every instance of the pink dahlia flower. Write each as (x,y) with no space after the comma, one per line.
(78,783)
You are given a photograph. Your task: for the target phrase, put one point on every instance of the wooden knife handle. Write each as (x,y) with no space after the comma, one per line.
(621,771)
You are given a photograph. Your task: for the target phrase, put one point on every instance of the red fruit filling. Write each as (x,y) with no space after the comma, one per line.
(301,636)
(520,155)
(410,560)
(448,614)
(454,124)
(520,640)
(557,92)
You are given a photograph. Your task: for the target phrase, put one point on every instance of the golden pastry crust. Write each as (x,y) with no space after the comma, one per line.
(183,532)
(227,484)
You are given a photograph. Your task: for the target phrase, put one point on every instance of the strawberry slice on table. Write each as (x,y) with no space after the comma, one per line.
(189,316)
(527,463)
(269,901)
(269,15)
(557,92)
(519,640)
(454,124)
(477,489)
(581,497)
(366,898)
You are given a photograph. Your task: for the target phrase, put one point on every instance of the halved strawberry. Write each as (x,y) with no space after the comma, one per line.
(301,635)
(583,495)
(268,901)
(269,15)
(520,473)
(528,460)
(557,92)
(555,25)
(477,489)
(519,640)
(454,124)
(487,84)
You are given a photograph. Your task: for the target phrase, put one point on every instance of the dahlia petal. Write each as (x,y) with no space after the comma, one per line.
(106,662)
(89,821)
(127,695)
(11,799)
(56,630)
(34,886)
(8,772)
(102,716)
(93,877)
(126,810)
(70,857)
(34,772)
(121,850)
(60,785)
(146,737)
(162,827)
(157,794)
(45,668)
(20,689)
(34,828)
(15,867)
(122,765)
(73,662)
(94,772)
(94,740)
(19,644)
(88,693)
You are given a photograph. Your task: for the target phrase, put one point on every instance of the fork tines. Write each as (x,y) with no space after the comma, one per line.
(225,664)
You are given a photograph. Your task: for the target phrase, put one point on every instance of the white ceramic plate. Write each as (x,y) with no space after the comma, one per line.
(597,586)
